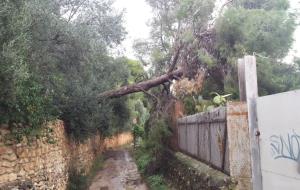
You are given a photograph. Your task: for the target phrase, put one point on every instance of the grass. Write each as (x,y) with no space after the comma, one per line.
(157,182)
(142,159)
(78,180)
(97,165)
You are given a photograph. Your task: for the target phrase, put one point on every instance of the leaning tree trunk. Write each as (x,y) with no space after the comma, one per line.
(142,86)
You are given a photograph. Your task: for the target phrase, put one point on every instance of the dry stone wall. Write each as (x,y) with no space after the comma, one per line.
(45,165)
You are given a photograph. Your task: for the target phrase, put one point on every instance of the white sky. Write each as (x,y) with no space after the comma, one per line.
(138,14)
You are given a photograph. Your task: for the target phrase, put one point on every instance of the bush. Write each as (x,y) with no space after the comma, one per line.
(156,182)
(80,181)
(53,69)
(143,160)
(149,156)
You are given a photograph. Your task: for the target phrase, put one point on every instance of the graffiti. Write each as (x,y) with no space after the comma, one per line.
(287,148)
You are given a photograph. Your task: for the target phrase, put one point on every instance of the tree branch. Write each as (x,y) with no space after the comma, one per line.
(175,58)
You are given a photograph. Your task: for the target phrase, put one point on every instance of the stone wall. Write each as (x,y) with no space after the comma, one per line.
(45,165)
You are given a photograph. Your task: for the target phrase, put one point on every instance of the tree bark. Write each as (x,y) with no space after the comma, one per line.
(142,86)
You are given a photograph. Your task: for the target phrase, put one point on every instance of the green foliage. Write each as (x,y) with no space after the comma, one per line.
(157,135)
(18,132)
(244,31)
(274,77)
(175,21)
(149,154)
(78,180)
(194,105)
(206,58)
(143,161)
(262,27)
(250,26)
(263,4)
(220,100)
(156,182)
(22,98)
(138,131)
(137,72)
(54,65)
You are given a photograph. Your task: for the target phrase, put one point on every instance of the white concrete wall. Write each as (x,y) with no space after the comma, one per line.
(279,125)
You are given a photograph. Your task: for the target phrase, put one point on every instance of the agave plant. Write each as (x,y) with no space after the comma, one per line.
(220,100)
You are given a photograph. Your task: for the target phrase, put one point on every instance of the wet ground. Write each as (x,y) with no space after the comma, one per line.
(119,173)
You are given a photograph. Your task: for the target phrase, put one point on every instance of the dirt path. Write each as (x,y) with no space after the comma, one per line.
(119,173)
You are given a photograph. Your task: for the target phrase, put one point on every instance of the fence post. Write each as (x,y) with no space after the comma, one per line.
(186,140)
(249,92)
(198,130)
(241,76)
(178,136)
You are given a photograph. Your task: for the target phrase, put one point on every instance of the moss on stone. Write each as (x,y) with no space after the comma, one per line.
(187,173)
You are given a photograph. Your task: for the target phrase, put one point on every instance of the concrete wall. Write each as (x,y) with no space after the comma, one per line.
(44,165)
(279,140)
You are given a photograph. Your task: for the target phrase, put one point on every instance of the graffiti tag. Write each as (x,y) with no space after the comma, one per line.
(287,147)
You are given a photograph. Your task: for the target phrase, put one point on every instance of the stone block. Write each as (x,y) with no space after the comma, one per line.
(23,160)
(7,164)
(9,157)
(6,171)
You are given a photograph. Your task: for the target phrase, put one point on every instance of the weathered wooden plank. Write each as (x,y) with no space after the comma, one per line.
(252,95)
(204,144)
(203,135)
(241,76)
(227,162)
(217,138)
(192,136)
(182,137)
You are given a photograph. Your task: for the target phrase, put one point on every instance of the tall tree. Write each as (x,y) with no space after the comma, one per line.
(193,36)
(55,59)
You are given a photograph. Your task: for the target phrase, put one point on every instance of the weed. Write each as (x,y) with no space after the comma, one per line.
(78,180)
(156,182)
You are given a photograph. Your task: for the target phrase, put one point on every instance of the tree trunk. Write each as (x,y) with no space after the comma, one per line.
(142,86)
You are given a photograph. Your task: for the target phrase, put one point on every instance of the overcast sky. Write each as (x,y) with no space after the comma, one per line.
(138,14)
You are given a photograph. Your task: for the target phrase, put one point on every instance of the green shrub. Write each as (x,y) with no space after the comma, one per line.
(156,182)
(143,161)
(80,181)
(53,69)
(149,155)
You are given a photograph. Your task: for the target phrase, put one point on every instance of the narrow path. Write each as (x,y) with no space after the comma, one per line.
(119,173)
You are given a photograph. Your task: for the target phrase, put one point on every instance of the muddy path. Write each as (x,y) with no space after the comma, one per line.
(119,173)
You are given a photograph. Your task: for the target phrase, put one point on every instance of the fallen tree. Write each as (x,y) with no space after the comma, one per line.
(142,86)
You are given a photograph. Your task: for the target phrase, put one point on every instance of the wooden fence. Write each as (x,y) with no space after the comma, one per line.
(204,137)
